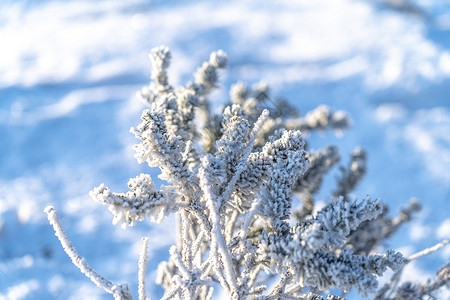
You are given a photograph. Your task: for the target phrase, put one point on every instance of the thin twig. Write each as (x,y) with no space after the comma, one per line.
(387,290)
(218,242)
(248,218)
(120,291)
(242,161)
(172,293)
(429,250)
(143,260)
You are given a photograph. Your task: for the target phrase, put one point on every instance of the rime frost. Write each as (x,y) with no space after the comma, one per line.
(242,184)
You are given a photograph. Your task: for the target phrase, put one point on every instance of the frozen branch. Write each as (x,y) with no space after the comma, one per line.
(143,260)
(429,250)
(120,291)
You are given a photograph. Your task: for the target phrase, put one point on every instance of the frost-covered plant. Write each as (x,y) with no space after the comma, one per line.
(242,184)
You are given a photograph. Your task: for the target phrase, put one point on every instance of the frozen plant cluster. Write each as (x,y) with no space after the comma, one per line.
(242,184)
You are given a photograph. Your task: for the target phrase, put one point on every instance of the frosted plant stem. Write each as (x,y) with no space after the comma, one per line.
(254,275)
(281,286)
(210,293)
(248,149)
(206,270)
(387,290)
(196,247)
(216,264)
(429,250)
(179,263)
(172,293)
(119,291)
(218,243)
(230,225)
(185,240)
(143,260)
(202,219)
(248,218)
(219,239)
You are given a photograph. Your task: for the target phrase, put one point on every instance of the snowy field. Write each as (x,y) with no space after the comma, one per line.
(69,72)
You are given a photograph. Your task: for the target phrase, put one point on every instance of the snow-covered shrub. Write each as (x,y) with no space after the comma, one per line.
(242,184)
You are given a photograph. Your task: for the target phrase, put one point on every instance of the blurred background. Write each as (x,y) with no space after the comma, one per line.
(69,72)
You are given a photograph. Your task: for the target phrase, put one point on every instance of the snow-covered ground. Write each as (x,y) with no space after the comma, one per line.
(69,71)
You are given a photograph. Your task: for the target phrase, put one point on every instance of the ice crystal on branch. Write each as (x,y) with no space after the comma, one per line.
(242,185)
(133,206)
